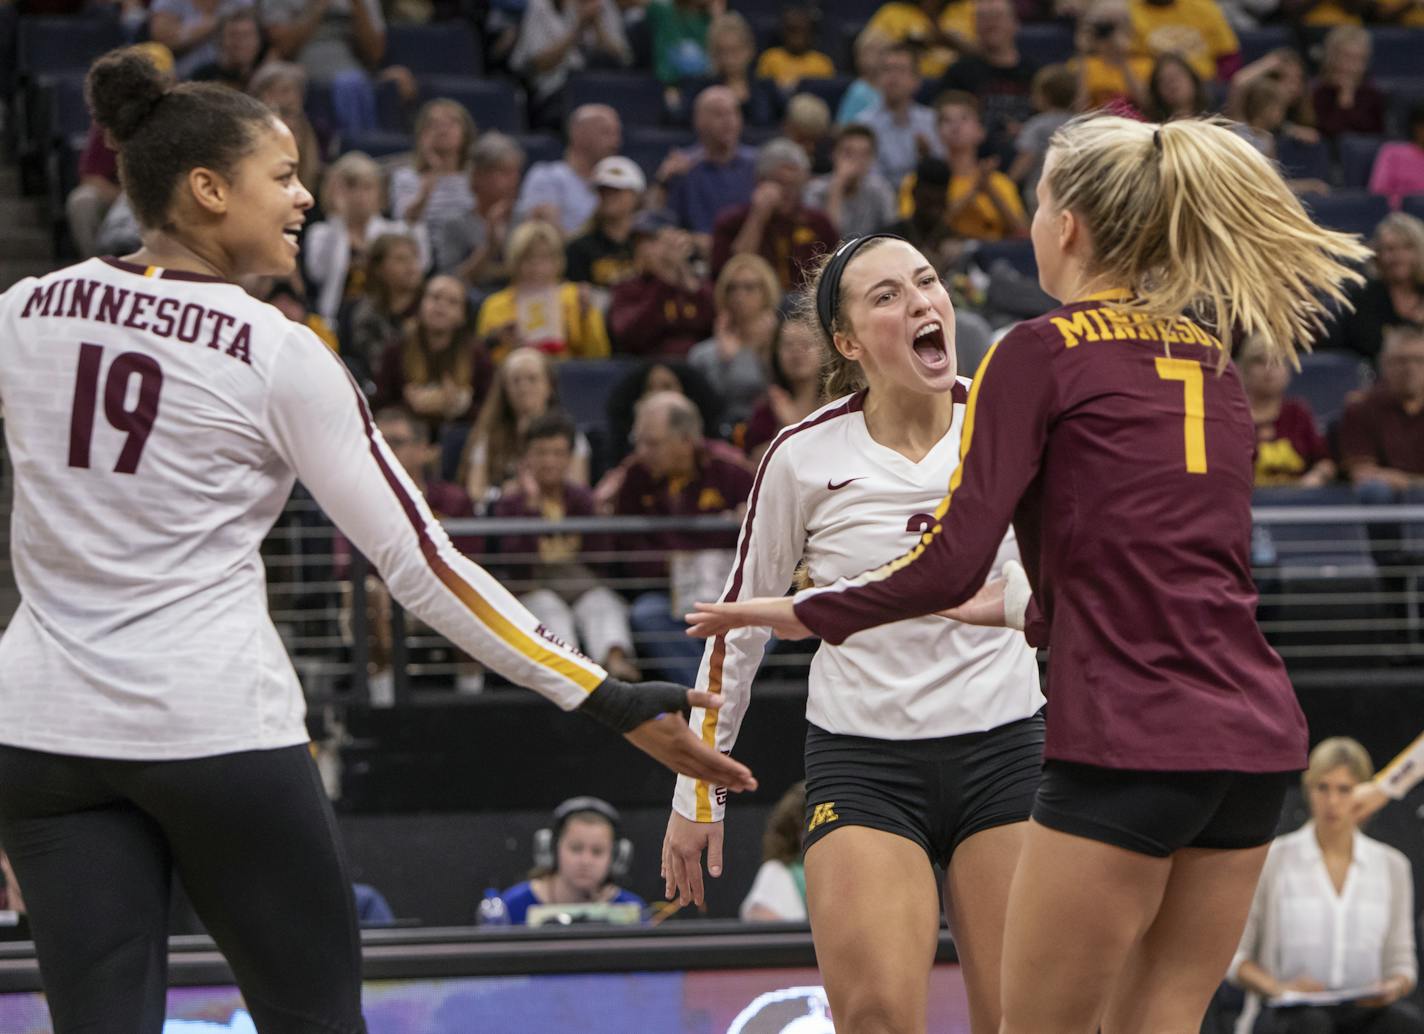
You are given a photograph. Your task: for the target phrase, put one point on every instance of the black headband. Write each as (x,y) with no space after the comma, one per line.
(828,291)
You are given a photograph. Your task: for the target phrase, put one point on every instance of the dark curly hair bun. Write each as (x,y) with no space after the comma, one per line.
(123,88)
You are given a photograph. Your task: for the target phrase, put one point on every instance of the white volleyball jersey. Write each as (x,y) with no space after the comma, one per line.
(156,421)
(829,493)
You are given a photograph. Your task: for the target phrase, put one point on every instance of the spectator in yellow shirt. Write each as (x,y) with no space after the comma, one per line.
(1106,69)
(983,203)
(795,59)
(540,309)
(940,30)
(1195,30)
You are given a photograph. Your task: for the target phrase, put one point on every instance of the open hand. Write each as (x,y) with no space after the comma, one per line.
(777,613)
(683,845)
(671,741)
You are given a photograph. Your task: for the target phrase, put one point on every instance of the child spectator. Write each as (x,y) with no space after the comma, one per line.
(439,369)
(795,389)
(1344,99)
(854,196)
(864,92)
(983,203)
(1399,165)
(334,251)
(1289,446)
(472,246)
(523,390)
(1054,88)
(903,127)
(390,296)
(603,256)
(734,359)
(434,187)
(778,893)
(569,597)
(777,224)
(557,37)
(540,309)
(665,307)
(795,58)
(1175,90)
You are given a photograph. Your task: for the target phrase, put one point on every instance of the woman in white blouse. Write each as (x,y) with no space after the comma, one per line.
(1334,911)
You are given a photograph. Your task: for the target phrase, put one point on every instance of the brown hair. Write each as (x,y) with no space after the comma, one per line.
(752,265)
(468,130)
(422,364)
(1193,220)
(782,840)
(497,426)
(839,375)
(376,255)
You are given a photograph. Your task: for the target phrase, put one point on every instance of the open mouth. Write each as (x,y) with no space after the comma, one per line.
(930,346)
(292,234)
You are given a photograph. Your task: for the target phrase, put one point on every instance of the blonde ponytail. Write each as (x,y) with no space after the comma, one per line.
(1193,219)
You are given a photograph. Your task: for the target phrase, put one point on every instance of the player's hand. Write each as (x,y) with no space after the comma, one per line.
(683,844)
(777,613)
(670,740)
(1366,799)
(985,607)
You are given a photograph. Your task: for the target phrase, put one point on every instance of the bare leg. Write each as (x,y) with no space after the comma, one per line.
(1173,971)
(1076,908)
(976,896)
(875,920)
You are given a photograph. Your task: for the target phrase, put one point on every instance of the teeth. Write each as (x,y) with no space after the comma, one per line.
(926,329)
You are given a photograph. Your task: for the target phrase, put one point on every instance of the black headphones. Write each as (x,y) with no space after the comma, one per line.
(546,840)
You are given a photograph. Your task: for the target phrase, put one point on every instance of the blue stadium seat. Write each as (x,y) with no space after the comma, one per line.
(850,11)
(1046,42)
(441,48)
(1017,253)
(492,103)
(1323,549)
(1357,158)
(1257,43)
(391,113)
(1324,379)
(584,387)
(637,97)
(540,147)
(649,145)
(378,143)
(65,111)
(829,90)
(1349,211)
(1414,205)
(1301,160)
(1402,93)
(1397,51)
(53,45)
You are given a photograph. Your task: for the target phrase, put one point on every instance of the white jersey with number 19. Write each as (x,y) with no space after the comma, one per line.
(156,421)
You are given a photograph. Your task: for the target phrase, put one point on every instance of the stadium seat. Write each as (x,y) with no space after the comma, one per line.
(1046,42)
(649,145)
(65,112)
(441,48)
(829,90)
(1414,530)
(1349,211)
(1016,252)
(1414,205)
(1396,51)
(1316,543)
(1357,158)
(53,45)
(1325,378)
(637,97)
(540,147)
(1257,43)
(1300,160)
(856,12)
(378,143)
(1402,93)
(584,387)
(492,103)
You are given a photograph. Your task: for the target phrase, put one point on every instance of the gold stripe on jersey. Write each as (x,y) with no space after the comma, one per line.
(153,271)
(702,790)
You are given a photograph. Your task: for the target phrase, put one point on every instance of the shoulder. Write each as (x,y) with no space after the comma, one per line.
(520,893)
(810,435)
(1393,859)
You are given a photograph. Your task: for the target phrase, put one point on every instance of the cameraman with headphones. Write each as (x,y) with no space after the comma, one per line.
(577,860)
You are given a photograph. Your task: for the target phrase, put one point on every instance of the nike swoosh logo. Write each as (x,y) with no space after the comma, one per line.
(831,486)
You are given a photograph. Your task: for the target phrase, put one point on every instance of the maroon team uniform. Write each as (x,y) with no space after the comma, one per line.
(1124,459)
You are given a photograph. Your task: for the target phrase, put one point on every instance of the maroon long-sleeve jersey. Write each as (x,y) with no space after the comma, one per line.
(1124,460)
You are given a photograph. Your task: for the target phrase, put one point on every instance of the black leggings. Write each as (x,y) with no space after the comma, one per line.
(252,836)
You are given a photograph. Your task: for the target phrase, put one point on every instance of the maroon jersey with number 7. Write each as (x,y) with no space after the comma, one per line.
(1124,460)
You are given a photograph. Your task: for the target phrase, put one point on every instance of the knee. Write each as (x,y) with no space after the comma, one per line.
(876,1012)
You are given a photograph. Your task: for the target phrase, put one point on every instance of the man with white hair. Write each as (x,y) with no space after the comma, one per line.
(562,192)
(776,225)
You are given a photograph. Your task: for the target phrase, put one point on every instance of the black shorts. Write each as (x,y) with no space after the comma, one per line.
(1157,813)
(935,792)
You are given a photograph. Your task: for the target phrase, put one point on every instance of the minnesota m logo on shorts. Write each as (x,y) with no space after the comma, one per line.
(822,814)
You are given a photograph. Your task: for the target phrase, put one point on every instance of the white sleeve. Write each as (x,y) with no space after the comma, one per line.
(1400,959)
(770,545)
(319,251)
(1403,773)
(318,422)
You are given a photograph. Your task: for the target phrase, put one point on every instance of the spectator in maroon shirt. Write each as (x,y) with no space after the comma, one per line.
(1381,438)
(776,224)
(1289,446)
(674,474)
(665,307)
(567,592)
(1345,101)
(794,392)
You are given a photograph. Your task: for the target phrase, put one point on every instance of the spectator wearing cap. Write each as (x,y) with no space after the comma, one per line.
(854,196)
(665,307)
(603,255)
(777,224)
(903,128)
(715,174)
(561,192)
(557,37)
(925,226)
(239,50)
(472,245)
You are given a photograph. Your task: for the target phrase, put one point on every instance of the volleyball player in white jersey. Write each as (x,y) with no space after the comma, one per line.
(925,742)
(150,720)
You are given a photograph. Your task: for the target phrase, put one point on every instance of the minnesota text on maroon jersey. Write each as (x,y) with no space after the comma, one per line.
(190,322)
